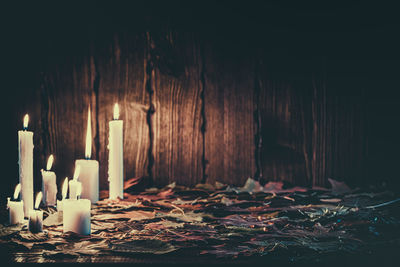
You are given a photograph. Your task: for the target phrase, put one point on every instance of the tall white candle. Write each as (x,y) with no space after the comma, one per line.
(74,186)
(25,155)
(16,208)
(76,216)
(116,157)
(36,216)
(49,185)
(89,169)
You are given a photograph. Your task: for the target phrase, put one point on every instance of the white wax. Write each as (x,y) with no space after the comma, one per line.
(49,188)
(16,211)
(76,216)
(89,177)
(116,160)
(25,155)
(35,221)
(60,208)
(73,188)
(60,205)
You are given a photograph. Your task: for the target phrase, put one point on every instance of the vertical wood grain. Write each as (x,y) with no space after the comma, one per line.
(67,92)
(121,67)
(177,118)
(282,154)
(229,107)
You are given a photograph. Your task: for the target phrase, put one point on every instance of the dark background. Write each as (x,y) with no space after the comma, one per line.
(281,90)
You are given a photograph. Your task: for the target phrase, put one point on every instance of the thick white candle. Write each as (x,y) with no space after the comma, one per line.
(116,157)
(16,211)
(36,216)
(16,208)
(49,185)
(89,169)
(25,155)
(76,216)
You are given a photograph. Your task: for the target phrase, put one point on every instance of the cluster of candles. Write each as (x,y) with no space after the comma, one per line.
(83,188)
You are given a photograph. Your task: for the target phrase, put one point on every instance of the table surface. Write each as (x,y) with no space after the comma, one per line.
(219,224)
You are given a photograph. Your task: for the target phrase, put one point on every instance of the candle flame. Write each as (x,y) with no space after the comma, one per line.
(116,111)
(77,172)
(79,190)
(65,188)
(88,148)
(50,161)
(26,121)
(38,199)
(17,190)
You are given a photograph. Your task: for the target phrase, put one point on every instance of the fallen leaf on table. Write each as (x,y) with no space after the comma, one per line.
(147,246)
(339,188)
(132,215)
(53,219)
(10,229)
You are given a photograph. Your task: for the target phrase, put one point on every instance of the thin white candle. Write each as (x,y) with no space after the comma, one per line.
(25,156)
(63,197)
(116,157)
(74,184)
(36,216)
(76,216)
(49,185)
(89,169)
(16,208)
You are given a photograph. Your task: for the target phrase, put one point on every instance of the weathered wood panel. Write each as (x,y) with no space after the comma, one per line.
(282,154)
(67,91)
(121,65)
(339,130)
(229,107)
(176,122)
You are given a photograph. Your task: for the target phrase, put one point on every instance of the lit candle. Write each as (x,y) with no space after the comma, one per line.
(49,186)
(74,184)
(36,216)
(25,155)
(16,208)
(76,215)
(89,173)
(116,157)
(63,197)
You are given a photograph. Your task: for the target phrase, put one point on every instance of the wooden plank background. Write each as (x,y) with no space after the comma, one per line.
(217,115)
(220,102)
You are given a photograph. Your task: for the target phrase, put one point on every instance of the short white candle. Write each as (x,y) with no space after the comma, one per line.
(16,208)
(49,185)
(25,155)
(36,216)
(116,157)
(89,169)
(76,216)
(74,184)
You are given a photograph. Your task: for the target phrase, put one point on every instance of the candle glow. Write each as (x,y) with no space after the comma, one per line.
(50,161)
(65,188)
(88,148)
(38,199)
(116,111)
(26,121)
(17,190)
(77,172)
